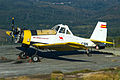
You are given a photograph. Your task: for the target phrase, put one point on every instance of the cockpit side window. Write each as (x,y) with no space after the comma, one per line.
(67,32)
(62,30)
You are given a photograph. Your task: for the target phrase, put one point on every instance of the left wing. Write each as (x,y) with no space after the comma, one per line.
(68,46)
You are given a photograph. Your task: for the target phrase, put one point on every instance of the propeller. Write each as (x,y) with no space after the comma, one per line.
(15,32)
(13,23)
(12,28)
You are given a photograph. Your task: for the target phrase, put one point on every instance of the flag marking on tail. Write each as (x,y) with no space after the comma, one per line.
(103,26)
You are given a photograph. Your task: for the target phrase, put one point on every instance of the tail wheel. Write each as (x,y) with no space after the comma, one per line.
(88,53)
(23,55)
(97,47)
(35,58)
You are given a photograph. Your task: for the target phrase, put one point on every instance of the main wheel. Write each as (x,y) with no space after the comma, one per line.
(23,55)
(35,58)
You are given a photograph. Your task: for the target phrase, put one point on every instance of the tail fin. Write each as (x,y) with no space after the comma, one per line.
(100,32)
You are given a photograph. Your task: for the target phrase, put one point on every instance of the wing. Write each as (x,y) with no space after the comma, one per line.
(97,42)
(68,46)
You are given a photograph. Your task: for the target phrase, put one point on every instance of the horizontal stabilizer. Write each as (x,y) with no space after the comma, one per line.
(96,41)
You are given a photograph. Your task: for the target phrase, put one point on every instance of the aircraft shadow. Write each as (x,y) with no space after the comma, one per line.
(58,54)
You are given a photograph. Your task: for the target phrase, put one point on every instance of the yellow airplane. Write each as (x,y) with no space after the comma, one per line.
(59,38)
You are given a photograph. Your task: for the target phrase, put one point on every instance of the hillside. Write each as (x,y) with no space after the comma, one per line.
(80,15)
(2,35)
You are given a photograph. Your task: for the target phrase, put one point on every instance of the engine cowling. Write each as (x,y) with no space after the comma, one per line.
(26,37)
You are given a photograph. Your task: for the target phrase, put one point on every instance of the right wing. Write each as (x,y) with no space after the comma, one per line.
(68,46)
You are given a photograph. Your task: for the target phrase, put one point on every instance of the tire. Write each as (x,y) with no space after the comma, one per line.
(35,58)
(23,55)
(97,47)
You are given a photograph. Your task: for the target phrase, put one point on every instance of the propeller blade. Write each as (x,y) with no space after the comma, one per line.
(13,23)
(13,29)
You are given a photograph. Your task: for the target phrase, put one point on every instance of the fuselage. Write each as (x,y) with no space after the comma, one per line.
(61,38)
(61,34)
(58,34)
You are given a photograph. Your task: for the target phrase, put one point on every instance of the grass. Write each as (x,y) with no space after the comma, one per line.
(86,74)
(107,69)
(57,75)
(107,74)
(81,71)
(118,45)
(2,79)
(102,76)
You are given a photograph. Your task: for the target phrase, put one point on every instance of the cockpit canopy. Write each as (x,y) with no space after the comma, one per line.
(60,28)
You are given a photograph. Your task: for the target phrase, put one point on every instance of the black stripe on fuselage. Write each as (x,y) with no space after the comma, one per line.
(37,42)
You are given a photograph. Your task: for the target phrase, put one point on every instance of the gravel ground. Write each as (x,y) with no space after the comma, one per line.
(63,61)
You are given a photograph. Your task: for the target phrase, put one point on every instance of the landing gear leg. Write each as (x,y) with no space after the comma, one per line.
(88,53)
(35,57)
(23,55)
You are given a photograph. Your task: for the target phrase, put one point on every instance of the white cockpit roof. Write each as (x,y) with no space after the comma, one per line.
(60,28)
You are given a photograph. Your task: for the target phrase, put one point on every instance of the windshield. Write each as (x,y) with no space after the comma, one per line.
(56,28)
(62,30)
